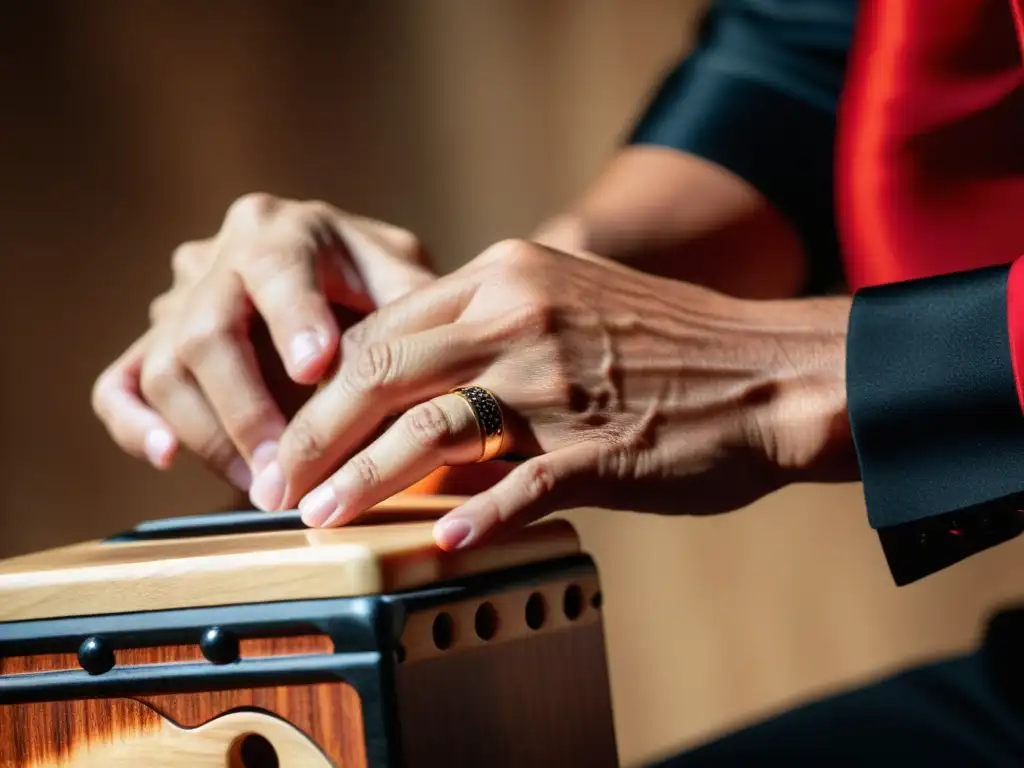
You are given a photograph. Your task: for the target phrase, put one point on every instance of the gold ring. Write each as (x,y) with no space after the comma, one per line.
(489,419)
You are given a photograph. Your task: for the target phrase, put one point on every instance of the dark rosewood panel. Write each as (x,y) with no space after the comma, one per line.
(32,734)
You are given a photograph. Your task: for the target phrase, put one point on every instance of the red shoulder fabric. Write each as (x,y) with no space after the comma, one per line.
(930,153)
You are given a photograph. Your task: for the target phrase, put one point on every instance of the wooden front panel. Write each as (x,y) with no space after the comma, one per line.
(499,682)
(69,732)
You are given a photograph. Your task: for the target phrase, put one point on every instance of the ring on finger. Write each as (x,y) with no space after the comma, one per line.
(490,419)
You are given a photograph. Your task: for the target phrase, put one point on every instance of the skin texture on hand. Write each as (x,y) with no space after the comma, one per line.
(622,389)
(255,316)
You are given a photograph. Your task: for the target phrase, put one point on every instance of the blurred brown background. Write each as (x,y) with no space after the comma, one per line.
(130,126)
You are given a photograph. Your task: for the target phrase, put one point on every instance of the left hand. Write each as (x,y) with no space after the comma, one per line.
(619,389)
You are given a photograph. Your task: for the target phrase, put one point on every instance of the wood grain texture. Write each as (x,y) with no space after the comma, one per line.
(50,733)
(102,578)
(55,733)
(225,742)
(256,647)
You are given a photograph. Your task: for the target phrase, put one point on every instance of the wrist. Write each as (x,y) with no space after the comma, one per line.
(803,423)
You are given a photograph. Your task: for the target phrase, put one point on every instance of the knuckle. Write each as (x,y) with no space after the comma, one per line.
(428,425)
(508,252)
(617,461)
(365,470)
(159,308)
(401,241)
(246,423)
(252,208)
(303,442)
(215,449)
(100,389)
(160,375)
(189,259)
(536,317)
(204,332)
(406,243)
(354,337)
(375,366)
(537,479)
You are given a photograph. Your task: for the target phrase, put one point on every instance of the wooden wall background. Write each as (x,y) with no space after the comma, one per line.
(127,127)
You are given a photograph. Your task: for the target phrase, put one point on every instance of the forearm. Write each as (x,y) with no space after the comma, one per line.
(673,214)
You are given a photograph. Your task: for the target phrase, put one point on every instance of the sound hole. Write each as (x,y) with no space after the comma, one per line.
(536,611)
(596,601)
(444,631)
(572,602)
(253,751)
(486,621)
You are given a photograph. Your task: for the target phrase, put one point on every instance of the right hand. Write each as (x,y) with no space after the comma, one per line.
(199,377)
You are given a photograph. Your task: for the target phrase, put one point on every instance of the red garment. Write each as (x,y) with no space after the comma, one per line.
(931,140)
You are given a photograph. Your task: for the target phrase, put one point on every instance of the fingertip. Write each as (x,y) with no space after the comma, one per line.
(452,533)
(160,446)
(268,488)
(319,508)
(310,353)
(239,474)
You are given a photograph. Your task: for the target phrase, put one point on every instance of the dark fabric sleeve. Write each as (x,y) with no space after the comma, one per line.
(758,96)
(935,410)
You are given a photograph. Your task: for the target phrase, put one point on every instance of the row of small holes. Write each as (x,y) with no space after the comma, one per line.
(486,620)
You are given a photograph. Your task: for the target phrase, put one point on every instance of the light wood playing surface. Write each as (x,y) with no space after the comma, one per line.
(101,578)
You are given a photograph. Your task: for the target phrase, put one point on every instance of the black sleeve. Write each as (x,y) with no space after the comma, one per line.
(758,96)
(936,416)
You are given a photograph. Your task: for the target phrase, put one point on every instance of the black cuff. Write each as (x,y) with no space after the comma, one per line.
(936,419)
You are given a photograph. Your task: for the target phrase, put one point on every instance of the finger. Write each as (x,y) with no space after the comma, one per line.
(214,342)
(133,425)
(438,303)
(383,379)
(281,280)
(388,262)
(169,388)
(536,488)
(438,432)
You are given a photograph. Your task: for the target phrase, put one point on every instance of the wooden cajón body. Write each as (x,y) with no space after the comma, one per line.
(245,640)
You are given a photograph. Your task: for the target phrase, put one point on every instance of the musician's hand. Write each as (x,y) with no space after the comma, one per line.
(195,378)
(619,390)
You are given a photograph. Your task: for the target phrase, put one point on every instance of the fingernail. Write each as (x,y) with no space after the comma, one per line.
(451,534)
(319,507)
(263,455)
(267,490)
(305,346)
(158,444)
(238,474)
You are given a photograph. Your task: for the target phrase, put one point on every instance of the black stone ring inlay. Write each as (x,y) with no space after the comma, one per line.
(489,418)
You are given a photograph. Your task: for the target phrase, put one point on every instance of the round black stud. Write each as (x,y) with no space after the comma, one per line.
(219,646)
(95,656)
